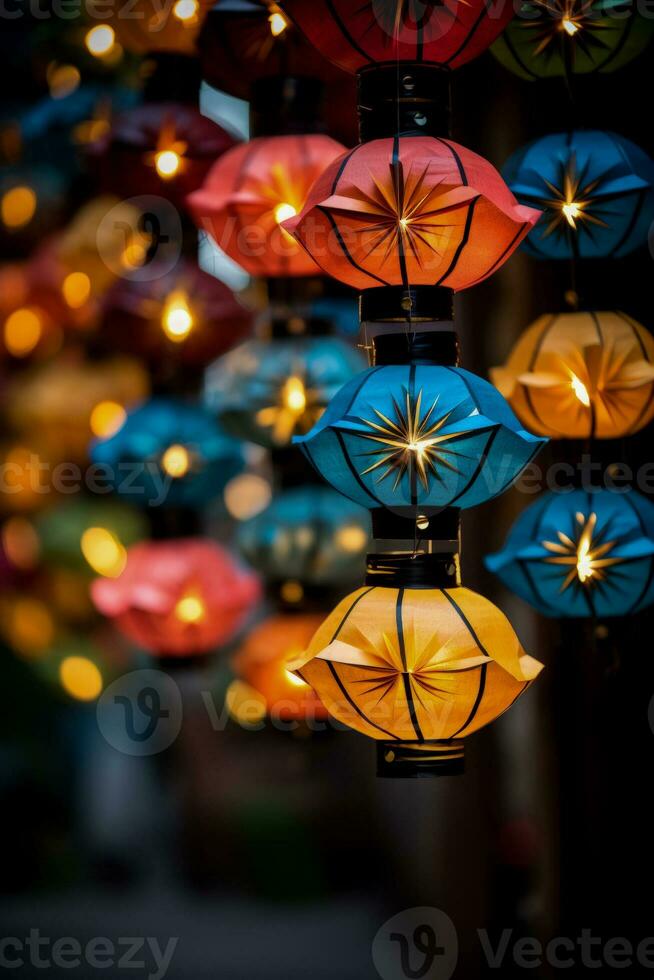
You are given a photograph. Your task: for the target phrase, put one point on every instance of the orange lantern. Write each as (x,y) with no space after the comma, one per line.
(252,190)
(580,375)
(411,211)
(263,676)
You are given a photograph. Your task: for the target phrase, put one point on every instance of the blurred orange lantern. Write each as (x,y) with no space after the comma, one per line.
(263,677)
(148,27)
(252,190)
(411,211)
(178,598)
(579,375)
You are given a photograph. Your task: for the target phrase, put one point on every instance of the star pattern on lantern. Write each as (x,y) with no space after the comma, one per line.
(413,443)
(573,201)
(587,554)
(565,20)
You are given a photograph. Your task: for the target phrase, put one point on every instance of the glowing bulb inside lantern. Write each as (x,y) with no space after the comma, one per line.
(294,679)
(185,10)
(76,289)
(167,163)
(571,212)
(584,561)
(176,461)
(22,331)
(283,212)
(418,448)
(177,319)
(569,26)
(18,206)
(294,395)
(80,678)
(106,419)
(100,40)
(190,609)
(580,390)
(278,23)
(103,551)
(351,538)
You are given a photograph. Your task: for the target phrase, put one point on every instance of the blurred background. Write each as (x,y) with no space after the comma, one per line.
(267,850)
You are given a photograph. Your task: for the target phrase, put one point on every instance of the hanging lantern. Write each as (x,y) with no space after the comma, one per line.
(581,375)
(559,38)
(595,190)
(167,452)
(178,598)
(411,211)
(581,554)
(88,535)
(181,314)
(418,670)
(169,27)
(264,684)
(252,190)
(163,148)
(419,436)
(447,33)
(308,535)
(268,391)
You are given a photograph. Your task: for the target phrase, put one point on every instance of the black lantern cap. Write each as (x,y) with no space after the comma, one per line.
(416,347)
(384,304)
(420,760)
(403,99)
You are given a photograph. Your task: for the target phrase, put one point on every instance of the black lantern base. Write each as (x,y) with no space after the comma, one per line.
(420,760)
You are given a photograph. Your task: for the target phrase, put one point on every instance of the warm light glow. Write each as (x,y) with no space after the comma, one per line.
(23,329)
(351,538)
(283,212)
(103,551)
(20,542)
(190,609)
(245,705)
(569,26)
(292,591)
(167,163)
(18,207)
(580,390)
(294,679)
(177,319)
(294,395)
(584,560)
(76,289)
(176,461)
(185,10)
(100,40)
(80,678)
(106,419)
(62,80)
(30,629)
(571,211)
(278,23)
(246,496)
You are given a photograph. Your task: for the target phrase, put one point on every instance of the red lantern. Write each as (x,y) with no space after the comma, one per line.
(159,148)
(411,211)
(442,32)
(252,190)
(178,598)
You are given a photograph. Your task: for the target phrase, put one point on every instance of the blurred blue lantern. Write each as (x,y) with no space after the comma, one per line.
(269,391)
(407,436)
(171,453)
(595,190)
(581,554)
(309,535)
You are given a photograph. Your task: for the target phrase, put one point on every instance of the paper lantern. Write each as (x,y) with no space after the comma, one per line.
(595,190)
(264,680)
(266,392)
(447,33)
(407,436)
(581,375)
(411,211)
(169,27)
(418,670)
(252,190)
(161,148)
(572,37)
(308,535)
(178,598)
(179,316)
(581,554)
(88,535)
(168,453)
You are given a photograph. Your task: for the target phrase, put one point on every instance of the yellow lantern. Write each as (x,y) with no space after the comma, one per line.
(581,375)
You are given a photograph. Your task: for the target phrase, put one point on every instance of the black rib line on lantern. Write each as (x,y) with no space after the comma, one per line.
(598,328)
(413,471)
(466,40)
(359,388)
(396,168)
(346,34)
(514,52)
(508,248)
(343,247)
(536,351)
(406,680)
(643,592)
(537,597)
(475,707)
(525,685)
(613,54)
(462,616)
(636,333)
(478,468)
(457,158)
(344,162)
(353,470)
(462,244)
(241,177)
(349,612)
(353,704)
(632,224)
(512,479)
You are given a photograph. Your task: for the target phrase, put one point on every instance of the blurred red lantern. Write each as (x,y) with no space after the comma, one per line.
(411,211)
(178,598)
(159,148)
(183,312)
(442,32)
(255,187)
(260,665)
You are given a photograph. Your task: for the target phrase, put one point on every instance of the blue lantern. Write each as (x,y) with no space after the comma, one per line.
(595,190)
(168,452)
(269,391)
(581,554)
(309,534)
(407,436)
